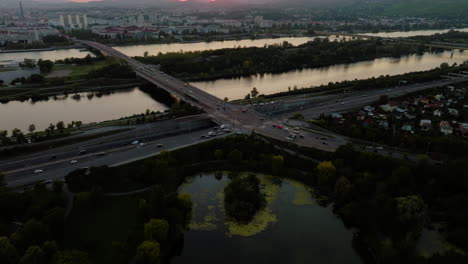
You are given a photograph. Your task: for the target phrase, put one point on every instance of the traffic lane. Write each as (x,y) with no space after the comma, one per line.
(59,171)
(100,144)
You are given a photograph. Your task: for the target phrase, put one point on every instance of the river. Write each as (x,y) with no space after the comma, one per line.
(91,107)
(21,114)
(291,229)
(237,88)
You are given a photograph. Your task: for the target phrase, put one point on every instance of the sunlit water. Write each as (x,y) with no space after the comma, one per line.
(291,229)
(237,88)
(118,104)
(21,114)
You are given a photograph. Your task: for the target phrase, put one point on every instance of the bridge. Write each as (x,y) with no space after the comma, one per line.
(447,45)
(344,34)
(220,111)
(244,118)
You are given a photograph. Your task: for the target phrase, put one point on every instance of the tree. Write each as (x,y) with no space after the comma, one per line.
(148,252)
(254,92)
(32,232)
(60,126)
(27,63)
(326,172)
(412,210)
(45,66)
(51,127)
(235,156)
(34,255)
(226,99)
(78,124)
(277,163)
(72,257)
(32,128)
(8,252)
(2,82)
(36,78)
(444,65)
(383,99)
(157,229)
(218,154)
(185,201)
(15,132)
(145,54)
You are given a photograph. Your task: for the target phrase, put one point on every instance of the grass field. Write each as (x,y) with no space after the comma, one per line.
(7,69)
(81,69)
(97,226)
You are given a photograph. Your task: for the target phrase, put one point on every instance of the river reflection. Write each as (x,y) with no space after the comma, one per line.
(272,83)
(85,107)
(291,229)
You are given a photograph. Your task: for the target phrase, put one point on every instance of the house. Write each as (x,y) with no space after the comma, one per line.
(453,111)
(407,127)
(425,124)
(464,128)
(369,108)
(424,100)
(437,113)
(445,128)
(387,108)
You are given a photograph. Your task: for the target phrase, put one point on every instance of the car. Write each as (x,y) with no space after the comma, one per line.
(323,138)
(73,161)
(101,154)
(82,152)
(48,181)
(280,127)
(141,144)
(342,103)
(369,147)
(53,157)
(379,148)
(274,125)
(324,143)
(202,136)
(38,171)
(301,136)
(136,142)
(159,145)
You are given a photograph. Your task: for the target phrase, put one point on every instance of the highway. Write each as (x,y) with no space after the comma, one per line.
(117,149)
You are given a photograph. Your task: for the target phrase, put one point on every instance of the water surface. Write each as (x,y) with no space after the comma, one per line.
(89,107)
(237,88)
(291,229)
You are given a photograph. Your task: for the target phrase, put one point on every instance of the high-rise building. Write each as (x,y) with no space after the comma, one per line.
(78,22)
(21,9)
(70,21)
(85,21)
(61,21)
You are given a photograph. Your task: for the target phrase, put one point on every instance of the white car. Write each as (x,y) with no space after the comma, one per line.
(73,161)
(136,142)
(38,171)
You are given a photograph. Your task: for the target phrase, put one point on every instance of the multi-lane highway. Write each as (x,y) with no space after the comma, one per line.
(116,149)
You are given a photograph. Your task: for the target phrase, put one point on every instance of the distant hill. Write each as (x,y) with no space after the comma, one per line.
(424,8)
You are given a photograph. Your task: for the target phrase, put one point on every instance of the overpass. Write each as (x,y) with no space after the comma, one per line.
(220,111)
(344,34)
(447,45)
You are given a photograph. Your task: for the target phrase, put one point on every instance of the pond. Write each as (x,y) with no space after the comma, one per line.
(292,228)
